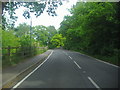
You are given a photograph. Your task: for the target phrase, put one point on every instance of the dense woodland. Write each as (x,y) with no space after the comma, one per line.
(92,28)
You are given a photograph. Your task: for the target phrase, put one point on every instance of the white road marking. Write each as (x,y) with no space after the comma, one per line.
(77,65)
(70,57)
(99,60)
(93,83)
(31,72)
(107,63)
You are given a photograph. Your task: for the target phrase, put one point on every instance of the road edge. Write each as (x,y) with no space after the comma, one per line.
(23,73)
(96,59)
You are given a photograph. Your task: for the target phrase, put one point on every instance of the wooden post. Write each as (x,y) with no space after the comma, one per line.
(9,53)
(8,50)
(16,50)
(22,51)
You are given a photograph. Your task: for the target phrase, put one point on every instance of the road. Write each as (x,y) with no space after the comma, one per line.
(67,69)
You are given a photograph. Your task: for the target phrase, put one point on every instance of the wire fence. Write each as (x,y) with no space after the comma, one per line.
(15,54)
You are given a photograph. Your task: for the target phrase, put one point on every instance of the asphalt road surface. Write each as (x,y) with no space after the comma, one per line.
(66,69)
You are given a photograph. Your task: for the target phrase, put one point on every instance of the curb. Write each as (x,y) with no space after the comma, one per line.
(22,74)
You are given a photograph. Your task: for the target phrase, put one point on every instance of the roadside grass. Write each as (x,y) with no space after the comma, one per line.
(110,59)
(15,59)
(113,59)
(41,51)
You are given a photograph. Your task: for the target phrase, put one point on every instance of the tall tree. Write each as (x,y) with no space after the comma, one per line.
(57,40)
(35,7)
(22,29)
(92,28)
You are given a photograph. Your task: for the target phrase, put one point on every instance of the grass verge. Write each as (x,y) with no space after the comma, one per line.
(110,59)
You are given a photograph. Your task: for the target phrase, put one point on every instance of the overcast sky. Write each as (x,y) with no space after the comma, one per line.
(45,19)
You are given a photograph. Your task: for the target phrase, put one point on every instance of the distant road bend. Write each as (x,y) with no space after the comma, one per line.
(66,69)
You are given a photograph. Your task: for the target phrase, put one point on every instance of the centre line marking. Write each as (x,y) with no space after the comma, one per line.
(77,65)
(70,57)
(31,72)
(93,83)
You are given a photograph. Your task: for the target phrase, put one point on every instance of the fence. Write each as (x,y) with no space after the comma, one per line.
(14,54)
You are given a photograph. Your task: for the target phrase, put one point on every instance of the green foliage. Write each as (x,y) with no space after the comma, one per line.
(44,34)
(35,7)
(92,28)
(22,30)
(9,39)
(25,41)
(0,36)
(41,34)
(20,37)
(51,32)
(57,40)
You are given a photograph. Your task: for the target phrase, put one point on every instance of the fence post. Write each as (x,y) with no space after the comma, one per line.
(9,53)
(22,52)
(17,50)
(8,50)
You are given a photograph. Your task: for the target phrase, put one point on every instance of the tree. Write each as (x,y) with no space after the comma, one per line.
(35,7)
(44,34)
(41,34)
(51,32)
(9,39)
(22,30)
(57,40)
(93,28)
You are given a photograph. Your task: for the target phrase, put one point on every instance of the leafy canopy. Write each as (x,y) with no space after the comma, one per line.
(33,7)
(58,40)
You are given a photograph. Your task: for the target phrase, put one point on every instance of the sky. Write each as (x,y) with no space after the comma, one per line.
(44,18)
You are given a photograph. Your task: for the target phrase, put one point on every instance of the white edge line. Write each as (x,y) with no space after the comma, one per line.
(77,65)
(99,60)
(93,83)
(32,72)
(107,63)
(70,57)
